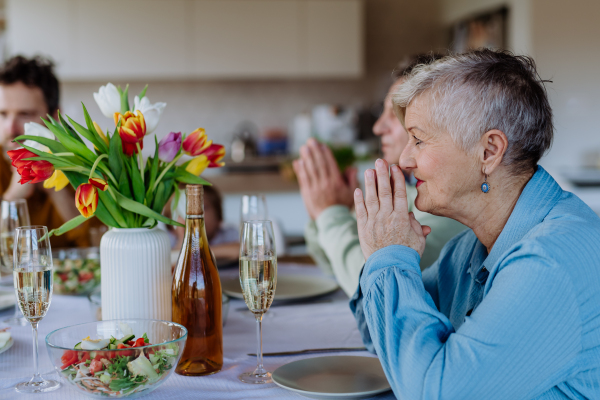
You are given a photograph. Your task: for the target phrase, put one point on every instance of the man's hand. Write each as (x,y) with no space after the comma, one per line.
(321,183)
(383,218)
(15,190)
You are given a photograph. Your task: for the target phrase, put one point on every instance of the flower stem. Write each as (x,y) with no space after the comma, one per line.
(96,164)
(67,154)
(141,160)
(164,171)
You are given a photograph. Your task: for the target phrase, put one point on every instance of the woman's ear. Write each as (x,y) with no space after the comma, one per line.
(494,144)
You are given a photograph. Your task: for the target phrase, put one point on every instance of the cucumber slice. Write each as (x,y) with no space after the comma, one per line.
(78,346)
(125,339)
(112,346)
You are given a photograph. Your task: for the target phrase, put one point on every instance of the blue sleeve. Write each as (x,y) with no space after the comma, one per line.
(513,346)
(356,306)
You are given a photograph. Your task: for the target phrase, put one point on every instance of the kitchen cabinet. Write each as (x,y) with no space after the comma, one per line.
(190,39)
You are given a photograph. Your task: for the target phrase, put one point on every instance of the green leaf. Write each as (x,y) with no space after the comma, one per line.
(90,135)
(153,173)
(67,127)
(124,187)
(183,176)
(58,162)
(53,145)
(113,209)
(115,151)
(159,195)
(105,217)
(69,132)
(141,209)
(125,100)
(67,226)
(136,180)
(143,92)
(71,144)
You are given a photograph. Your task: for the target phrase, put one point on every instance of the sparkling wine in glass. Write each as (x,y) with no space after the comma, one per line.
(258,278)
(32,275)
(13,214)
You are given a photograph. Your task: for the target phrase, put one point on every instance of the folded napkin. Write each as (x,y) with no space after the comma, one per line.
(4,338)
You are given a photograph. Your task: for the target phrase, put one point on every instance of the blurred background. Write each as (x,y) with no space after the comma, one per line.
(261,76)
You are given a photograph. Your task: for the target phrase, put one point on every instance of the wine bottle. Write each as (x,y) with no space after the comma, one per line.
(196,294)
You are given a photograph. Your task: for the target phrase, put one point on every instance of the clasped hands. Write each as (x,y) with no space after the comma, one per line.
(382,216)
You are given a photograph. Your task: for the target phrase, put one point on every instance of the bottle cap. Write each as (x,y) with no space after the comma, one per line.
(194,199)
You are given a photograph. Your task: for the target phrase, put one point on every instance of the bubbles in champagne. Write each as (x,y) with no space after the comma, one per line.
(258,278)
(34,292)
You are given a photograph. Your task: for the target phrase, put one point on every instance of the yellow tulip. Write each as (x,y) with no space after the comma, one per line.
(58,181)
(197,165)
(100,133)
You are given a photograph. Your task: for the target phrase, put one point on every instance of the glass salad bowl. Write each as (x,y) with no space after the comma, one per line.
(116,358)
(76,270)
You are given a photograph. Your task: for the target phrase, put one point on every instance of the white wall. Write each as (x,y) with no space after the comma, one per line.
(564,39)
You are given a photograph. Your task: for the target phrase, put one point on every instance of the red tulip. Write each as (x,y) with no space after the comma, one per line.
(99,183)
(214,153)
(132,131)
(30,171)
(196,142)
(86,199)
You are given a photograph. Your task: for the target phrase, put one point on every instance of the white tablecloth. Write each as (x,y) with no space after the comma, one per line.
(326,322)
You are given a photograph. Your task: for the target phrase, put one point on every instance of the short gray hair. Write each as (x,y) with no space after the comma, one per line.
(475,92)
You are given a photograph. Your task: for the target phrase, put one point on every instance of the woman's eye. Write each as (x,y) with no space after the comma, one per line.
(418,140)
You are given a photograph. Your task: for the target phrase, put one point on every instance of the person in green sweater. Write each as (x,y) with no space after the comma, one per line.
(332,234)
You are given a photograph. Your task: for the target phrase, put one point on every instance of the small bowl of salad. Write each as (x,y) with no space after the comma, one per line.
(117,358)
(77,270)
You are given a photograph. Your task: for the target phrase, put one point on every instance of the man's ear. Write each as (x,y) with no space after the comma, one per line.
(494,144)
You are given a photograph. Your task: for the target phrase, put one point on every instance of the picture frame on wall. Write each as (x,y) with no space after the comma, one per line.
(486,30)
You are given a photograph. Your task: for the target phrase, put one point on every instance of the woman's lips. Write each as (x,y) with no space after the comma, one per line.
(419,182)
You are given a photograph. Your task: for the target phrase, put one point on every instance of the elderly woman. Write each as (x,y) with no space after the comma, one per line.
(511,308)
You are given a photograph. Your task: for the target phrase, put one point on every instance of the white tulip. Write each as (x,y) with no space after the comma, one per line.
(152,112)
(108,99)
(34,129)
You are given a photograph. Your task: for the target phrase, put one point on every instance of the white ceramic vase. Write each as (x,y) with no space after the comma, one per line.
(136,274)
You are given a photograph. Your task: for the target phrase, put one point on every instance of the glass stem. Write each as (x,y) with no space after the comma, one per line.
(36,372)
(260,370)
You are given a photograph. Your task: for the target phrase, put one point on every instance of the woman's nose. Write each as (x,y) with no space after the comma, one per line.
(407,160)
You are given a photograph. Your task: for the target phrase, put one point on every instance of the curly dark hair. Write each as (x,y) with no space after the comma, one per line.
(33,72)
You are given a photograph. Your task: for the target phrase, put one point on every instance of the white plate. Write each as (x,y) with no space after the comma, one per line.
(333,377)
(7,298)
(289,287)
(7,346)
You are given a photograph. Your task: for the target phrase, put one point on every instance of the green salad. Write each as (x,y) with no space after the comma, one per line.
(97,368)
(76,274)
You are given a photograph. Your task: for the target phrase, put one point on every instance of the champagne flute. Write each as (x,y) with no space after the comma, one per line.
(32,274)
(258,278)
(13,214)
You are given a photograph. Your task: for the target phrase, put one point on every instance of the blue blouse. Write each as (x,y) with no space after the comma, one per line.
(522,322)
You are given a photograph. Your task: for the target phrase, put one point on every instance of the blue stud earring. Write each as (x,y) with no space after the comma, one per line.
(485,187)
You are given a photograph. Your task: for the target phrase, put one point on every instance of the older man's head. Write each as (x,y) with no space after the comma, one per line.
(472,117)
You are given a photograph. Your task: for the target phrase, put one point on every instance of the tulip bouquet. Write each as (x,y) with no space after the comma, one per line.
(112,180)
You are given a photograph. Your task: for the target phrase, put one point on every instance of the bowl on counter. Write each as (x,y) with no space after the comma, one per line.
(125,372)
(76,271)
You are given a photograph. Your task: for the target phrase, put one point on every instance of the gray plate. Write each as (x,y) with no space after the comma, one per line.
(333,377)
(289,287)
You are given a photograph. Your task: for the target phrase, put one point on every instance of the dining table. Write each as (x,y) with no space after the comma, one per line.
(321,322)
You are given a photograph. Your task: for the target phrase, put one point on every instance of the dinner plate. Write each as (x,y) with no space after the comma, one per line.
(289,287)
(333,377)
(7,346)
(7,298)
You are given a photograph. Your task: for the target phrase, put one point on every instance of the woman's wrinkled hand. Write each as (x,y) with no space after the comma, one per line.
(382,216)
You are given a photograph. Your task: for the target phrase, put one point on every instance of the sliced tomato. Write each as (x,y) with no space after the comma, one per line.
(85,276)
(124,353)
(63,276)
(96,366)
(85,356)
(111,354)
(139,343)
(131,342)
(100,355)
(69,358)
